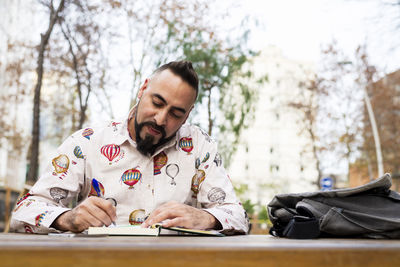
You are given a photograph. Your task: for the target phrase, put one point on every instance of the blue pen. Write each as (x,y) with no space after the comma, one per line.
(96,187)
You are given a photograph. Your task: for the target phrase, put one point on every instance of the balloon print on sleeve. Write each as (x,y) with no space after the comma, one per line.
(39,218)
(218,159)
(26,203)
(28,229)
(197,179)
(206,157)
(131,177)
(172,171)
(216,194)
(61,165)
(207,137)
(87,133)
(197,163)
(186,144)
(58,193)
(160,160)
(78,152)
(23,198)
(111,152)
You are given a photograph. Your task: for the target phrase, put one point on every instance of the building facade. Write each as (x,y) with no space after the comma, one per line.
(273,155)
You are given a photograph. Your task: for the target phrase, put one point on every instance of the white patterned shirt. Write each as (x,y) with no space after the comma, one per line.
(188,169)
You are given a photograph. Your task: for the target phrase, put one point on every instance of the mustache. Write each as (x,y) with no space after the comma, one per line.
(154,126)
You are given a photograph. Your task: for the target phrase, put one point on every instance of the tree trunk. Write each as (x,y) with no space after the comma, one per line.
(34,157)
(210,120)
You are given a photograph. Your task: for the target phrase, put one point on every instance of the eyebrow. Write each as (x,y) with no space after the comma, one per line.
(165,102)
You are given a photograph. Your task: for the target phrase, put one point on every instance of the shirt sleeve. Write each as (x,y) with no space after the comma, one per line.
(55,192)
(216,194)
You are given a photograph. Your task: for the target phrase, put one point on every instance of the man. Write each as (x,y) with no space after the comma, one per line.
(146,169)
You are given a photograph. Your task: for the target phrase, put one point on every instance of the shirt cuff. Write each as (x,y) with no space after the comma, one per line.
(222,218)
(46,219)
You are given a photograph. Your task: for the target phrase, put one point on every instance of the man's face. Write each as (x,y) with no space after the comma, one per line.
(165,102)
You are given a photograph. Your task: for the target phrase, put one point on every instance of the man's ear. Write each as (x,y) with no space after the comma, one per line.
(144,86)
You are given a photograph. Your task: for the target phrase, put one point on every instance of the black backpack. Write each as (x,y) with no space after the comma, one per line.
(368,211)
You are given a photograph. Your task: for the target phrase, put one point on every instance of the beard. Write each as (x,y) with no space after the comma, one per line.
(146,146)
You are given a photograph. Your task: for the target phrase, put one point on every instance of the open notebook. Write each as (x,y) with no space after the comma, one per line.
(155,230)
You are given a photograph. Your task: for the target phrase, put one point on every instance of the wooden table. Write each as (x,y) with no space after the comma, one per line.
(254,250)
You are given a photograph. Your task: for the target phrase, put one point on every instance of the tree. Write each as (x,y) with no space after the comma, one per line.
(227,88)
(307,103)
(384,95)
(154,29)
(164,30)
(263,214)
(44,39)
(342,107)
(16,83)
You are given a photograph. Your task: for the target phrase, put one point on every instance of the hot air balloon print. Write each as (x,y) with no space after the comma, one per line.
(78,152)
(26,203)
(87,133)
(131,177)
(207,137)
(58,193)
(93,191)
(23,198)
(60,164)
(197,179)
(172,171)
(218,159)
(28,229)
(159,161)
(206,157)
(186,144)
(137,217)
(39,218)
(216,194)
(110,151)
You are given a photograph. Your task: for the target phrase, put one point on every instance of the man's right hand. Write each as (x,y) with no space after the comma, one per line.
(94,211)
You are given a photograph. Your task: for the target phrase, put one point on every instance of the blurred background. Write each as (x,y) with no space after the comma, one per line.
(300,95)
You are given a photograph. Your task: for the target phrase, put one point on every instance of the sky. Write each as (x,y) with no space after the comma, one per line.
(299,28)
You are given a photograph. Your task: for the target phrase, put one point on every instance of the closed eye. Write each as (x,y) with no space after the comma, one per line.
(157,104)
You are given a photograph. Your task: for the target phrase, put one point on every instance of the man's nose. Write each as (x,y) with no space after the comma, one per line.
(161,117)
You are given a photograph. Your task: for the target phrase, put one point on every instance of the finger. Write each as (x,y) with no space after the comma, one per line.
(81,220)
(93,221)
(166,214)
(150,218)
(168,205)
(101,215)
(177,222)
(108,207)
(95,210)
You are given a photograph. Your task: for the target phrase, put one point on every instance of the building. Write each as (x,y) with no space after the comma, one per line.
(272,156)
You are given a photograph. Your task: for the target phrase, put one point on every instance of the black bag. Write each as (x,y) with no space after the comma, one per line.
(368,211)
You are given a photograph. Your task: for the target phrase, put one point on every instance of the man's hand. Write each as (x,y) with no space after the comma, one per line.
(94,211)
(173,213)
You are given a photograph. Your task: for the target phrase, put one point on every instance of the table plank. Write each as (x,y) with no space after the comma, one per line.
(253,250)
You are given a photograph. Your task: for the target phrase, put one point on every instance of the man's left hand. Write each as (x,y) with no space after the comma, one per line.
(177,214)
